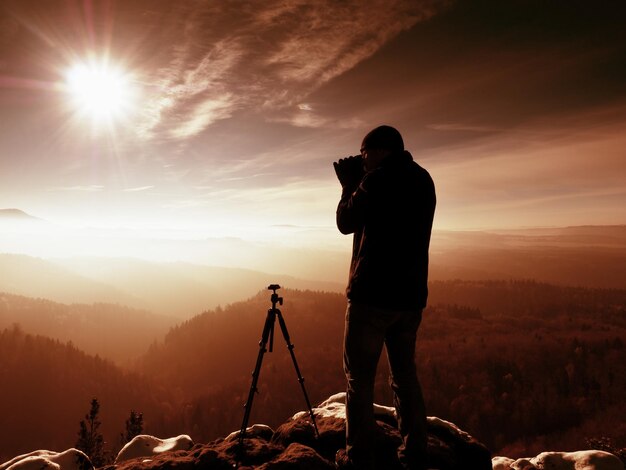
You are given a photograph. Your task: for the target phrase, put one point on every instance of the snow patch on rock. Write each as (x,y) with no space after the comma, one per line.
(335,407)
(71,459)
(580,460)
(501,463)
(262,431)
(451,427)
(149,446)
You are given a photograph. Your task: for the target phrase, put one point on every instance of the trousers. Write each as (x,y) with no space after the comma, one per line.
(367,329)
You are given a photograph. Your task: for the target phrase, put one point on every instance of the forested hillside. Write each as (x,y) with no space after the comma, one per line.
(47,388)
(112,331)
(527,297)
(523,366)
(220,345)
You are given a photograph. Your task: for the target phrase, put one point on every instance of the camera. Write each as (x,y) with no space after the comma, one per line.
(350,170)
(355,162)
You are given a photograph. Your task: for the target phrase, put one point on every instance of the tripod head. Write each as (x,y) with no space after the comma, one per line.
(275,298)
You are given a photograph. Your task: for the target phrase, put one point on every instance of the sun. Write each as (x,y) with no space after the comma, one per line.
(100,90)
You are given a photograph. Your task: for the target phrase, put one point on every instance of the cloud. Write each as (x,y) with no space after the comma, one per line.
(203,114)
(138,189)
(267,59)
(84,188)
(533,175)
(457,126)
(274,204)
(191,93)
(308,118)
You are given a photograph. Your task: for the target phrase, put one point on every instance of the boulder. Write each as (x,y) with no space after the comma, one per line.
(297,457)
(71,459)
(448,446)
(335,406)
(580,460)
(501,463)
(261,431)
(149,446)
(294,446)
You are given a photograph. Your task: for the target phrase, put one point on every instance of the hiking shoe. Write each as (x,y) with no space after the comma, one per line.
(342,461)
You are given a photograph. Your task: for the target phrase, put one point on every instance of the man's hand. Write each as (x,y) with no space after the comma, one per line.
(350,171)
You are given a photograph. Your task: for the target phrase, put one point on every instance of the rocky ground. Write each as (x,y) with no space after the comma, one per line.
(295,445)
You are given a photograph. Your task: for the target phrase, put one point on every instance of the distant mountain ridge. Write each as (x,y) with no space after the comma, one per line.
(181,290)
(114,332)
(202,274)
(16,214)
(35,277)
(585,256)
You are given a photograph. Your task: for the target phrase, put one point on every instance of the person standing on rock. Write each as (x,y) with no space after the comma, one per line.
(388,204)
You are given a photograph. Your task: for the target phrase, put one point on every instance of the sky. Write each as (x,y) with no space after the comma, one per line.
(232,112)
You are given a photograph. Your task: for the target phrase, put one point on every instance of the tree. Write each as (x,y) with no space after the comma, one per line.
(134,427)
(90,440)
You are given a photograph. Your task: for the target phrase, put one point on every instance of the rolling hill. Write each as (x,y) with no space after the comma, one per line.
(47,387)
(110,331)
(180,290)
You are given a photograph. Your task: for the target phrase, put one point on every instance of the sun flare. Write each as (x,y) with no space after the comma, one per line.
(100,90)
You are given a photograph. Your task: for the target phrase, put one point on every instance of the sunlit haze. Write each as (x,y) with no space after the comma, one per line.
(196,120)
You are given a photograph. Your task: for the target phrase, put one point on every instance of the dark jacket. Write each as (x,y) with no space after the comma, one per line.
(391,215)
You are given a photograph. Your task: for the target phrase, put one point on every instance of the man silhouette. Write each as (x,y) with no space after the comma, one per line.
(388,203)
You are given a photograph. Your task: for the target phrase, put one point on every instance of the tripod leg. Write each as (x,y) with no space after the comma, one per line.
(268,333)
(290,346)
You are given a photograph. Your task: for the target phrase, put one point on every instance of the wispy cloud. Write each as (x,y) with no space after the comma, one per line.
(191,92)
(138,189)
(204,114)
(269,59)
(307,117)
(86,188)
(457,126)
(274,205)
(550,178)
(325,39)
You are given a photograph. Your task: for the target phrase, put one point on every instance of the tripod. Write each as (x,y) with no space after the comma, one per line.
(268,335)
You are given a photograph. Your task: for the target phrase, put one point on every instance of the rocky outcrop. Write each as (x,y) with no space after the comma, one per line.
(294,445)
(580,460)
(71,459)
(148,446)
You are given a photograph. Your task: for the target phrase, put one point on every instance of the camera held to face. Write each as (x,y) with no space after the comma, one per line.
(350,170)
